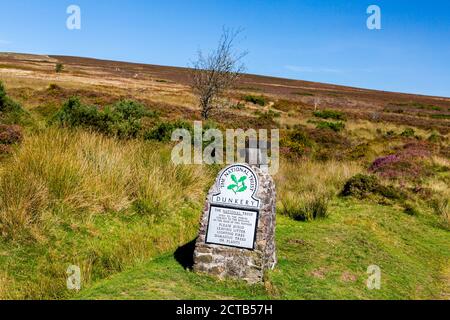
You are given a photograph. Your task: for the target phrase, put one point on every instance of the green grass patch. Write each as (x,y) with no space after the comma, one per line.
(323,259)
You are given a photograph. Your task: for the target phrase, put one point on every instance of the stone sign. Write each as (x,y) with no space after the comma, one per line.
(237,230)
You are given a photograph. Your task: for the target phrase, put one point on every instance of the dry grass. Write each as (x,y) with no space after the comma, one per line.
(308,186)
(88,174)
(76,197)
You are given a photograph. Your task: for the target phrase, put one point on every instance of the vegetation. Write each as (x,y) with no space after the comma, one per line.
(163,131)
(11,112)
(259,100)
(59,67)
(89,200)
(408,133)
(122,119)
(89,182)
(323,259)
(330,114)
(364,186)
(440,116)
(217,72)
(335,126)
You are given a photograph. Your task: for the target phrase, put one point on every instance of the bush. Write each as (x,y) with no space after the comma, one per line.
(59,67)
(122,119)
(335,126)
(364,186)
(298,142)
(408,133)
(10,111)
(408,163)
(6,103)
(163,131)
(435,137)
(259,100)
(360,186)
(330,114)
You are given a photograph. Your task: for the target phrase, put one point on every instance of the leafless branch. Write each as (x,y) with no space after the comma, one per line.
(217,72)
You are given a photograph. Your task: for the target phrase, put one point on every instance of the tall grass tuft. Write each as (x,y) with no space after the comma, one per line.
(87,174)
(441,207)
(306,188)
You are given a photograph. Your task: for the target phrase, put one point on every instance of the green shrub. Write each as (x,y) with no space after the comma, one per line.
(330,114)
(59,67)
(11,112)
(122,119)
(435,137)
(335,126)
(364,186)
(408,133)
(360,186)
(163,131)
(298,142)
(259,100)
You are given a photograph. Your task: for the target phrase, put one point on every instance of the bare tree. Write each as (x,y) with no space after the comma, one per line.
(217,72)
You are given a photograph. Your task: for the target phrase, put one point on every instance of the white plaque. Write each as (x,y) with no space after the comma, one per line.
(237,186)
(232,227)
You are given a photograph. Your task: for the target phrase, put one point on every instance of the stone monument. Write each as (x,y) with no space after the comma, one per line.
(237,229)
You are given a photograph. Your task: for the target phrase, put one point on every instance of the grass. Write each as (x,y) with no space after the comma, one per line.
(77,197)
(324,259)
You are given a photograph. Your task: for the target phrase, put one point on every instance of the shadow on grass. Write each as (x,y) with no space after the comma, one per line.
(185,255)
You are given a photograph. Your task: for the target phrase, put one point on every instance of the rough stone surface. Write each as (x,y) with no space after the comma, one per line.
(230,262)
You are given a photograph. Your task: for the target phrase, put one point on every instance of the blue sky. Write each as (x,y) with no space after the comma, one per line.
(324,41)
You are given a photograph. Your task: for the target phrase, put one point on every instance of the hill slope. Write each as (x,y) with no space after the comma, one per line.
(318,260)
(100,191)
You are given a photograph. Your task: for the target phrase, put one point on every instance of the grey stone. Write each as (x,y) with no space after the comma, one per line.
(245,264)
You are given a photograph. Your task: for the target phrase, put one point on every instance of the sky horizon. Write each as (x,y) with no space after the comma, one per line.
(320,41)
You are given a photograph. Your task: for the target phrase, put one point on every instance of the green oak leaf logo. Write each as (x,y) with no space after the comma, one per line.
(238,185)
